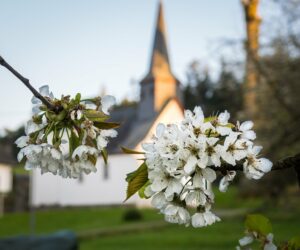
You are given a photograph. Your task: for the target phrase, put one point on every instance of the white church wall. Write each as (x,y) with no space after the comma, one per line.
(5,178)
(93,189)
(172,113)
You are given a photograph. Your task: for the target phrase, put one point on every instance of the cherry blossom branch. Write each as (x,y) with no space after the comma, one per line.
(26,82)
(285,163)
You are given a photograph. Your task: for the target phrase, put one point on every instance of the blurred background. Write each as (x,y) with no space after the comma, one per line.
(243,56)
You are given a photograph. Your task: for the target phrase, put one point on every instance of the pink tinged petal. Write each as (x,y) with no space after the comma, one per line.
(250,135)
(246,240)
(209,174)
(190,165)
(265,165)
(107,102)
(247,125)
(160,129)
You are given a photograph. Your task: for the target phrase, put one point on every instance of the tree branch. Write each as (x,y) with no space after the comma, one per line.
(288,162)
(26,82)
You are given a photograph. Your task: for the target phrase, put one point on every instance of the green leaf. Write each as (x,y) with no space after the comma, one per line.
(210,118)
(73,142)
(106,125)
(142,190)
(78,97)
(95,116)
(104,155)
(258,223)
(136,180)
(92,159)
(130,151)
(294,243)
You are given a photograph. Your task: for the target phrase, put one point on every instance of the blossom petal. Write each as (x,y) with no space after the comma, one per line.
(107,102)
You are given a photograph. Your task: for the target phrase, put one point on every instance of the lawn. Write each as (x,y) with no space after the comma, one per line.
(104,228)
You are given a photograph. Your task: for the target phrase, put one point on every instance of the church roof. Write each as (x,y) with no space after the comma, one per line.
(160,64)
(132,130)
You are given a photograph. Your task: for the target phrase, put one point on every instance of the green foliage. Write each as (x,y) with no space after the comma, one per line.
(142,190)
(104,155)
(258,223)
(132,215)
(130,151)
(136,180)
(106,125)
(213,95)
(294,243)
(95,115)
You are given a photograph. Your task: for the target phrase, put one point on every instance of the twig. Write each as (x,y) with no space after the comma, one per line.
(28,85)
(288,162)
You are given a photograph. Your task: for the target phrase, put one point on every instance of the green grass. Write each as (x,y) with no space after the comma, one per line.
(222,235)
(78,220)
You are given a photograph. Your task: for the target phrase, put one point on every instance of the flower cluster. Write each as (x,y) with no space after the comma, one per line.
(182,161)
(69,139)
(267,241)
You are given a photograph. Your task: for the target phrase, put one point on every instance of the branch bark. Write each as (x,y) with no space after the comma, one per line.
(286,163)
(26,82)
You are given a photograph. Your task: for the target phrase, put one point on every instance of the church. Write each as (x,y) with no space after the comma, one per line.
(160,102)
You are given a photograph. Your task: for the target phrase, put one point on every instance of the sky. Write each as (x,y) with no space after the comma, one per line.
(99,46)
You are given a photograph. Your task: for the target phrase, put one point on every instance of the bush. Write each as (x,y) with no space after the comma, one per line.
(132,215)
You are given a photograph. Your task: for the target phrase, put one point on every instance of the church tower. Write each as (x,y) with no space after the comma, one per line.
(159,85)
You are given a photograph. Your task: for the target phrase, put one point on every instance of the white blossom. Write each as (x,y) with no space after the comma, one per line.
(182,161)
(255,168)
(246,240)
(107,102)
(177,214)
(224,183)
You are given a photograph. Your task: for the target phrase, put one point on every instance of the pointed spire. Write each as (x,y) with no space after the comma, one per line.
(160,64)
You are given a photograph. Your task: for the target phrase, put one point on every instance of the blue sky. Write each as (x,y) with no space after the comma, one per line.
(91,46)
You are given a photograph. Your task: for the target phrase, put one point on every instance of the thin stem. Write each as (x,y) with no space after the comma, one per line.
(288,162)
(26,82)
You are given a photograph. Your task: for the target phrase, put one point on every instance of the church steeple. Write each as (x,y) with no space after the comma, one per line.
(159,64)
(159,85)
